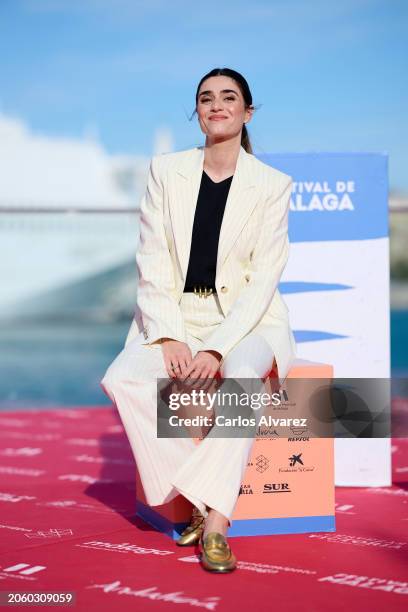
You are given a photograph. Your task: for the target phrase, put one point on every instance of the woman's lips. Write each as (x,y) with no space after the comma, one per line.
(217,118)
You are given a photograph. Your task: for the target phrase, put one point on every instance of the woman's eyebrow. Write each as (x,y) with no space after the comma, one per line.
(209,91)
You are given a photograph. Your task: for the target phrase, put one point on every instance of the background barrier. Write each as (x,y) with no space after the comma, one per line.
(336,282)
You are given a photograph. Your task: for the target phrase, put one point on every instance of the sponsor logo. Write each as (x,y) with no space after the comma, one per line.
(299,430)
(14,499)
(13,527)
(83,441)
(26,451)
(260,568)
(365,582)
(124,547)
(284,401)
(20,471)
(295,459)
(264,432)
(85,478)
(22,571)
(245,489)
(261,463)
(358,540)
(50,533)
(90,459)
(299,435)
(76,505)
(276,487)
(296,464)
(152,592)
(398,492)
(95,442)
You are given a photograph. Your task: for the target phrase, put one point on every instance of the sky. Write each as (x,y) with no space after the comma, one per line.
(324,75)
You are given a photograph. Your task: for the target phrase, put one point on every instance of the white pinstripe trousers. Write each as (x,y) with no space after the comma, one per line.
(207,474)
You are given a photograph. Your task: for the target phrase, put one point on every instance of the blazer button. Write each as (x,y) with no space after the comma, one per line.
(247,278)
(224,289)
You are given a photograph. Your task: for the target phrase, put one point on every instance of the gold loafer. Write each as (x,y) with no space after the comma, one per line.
(194,529)
(216,555)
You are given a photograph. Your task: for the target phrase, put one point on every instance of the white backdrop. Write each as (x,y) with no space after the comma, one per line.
(336,282)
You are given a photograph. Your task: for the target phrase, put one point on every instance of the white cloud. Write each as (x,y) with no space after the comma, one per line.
(38,170)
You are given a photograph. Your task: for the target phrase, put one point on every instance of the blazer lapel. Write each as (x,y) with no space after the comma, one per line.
(184,184)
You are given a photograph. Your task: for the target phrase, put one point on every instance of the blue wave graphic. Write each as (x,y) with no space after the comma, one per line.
(302,287)
(311,335)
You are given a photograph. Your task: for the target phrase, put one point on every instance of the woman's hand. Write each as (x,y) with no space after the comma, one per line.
(179,363)
(204,365)
(176,354)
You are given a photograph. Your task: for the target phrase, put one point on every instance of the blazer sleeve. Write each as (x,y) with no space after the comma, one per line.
(269,258)
(160,311)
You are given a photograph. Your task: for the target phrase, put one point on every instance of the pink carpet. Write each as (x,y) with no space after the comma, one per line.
(67,506)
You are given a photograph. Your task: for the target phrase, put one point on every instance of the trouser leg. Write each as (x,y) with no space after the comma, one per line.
(213,473)
(130,382)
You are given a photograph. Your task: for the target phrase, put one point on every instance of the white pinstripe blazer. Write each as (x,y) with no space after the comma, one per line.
(253,250)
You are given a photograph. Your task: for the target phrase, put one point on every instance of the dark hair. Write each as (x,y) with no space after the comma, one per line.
(246,93)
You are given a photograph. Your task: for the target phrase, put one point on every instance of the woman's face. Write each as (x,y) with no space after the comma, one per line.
(221,108)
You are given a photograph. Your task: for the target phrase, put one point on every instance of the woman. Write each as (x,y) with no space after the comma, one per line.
(213,245)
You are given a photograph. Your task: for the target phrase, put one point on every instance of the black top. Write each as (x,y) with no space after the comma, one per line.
(209,212)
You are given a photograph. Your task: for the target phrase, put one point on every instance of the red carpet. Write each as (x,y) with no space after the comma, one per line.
(67,498)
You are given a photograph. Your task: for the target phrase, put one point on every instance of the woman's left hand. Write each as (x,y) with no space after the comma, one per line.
(205,364)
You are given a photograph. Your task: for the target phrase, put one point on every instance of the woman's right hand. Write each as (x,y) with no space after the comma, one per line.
(176,354)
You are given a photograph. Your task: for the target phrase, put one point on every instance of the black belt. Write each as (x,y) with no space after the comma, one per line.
(200,290)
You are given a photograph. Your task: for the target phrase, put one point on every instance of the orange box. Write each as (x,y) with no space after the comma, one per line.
(288,485)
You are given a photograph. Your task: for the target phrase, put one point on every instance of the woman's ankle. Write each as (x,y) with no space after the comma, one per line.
(215,521)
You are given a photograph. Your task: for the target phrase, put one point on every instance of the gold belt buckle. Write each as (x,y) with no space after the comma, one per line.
(202,291)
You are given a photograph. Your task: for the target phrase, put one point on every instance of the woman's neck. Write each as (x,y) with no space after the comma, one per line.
(220,159)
